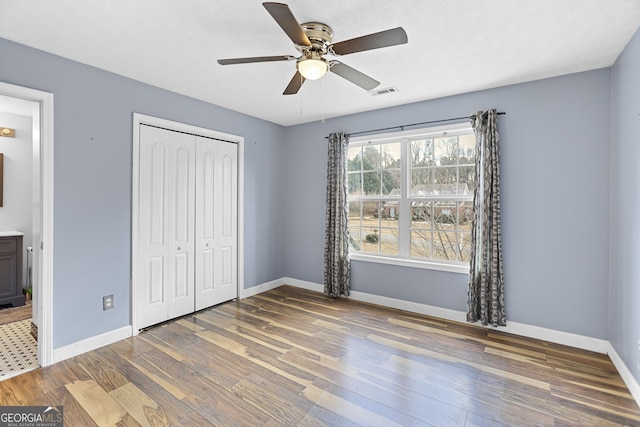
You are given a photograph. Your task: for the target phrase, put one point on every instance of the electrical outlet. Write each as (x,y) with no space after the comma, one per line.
(107,302)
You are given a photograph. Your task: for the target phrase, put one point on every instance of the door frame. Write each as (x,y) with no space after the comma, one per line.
(140,119)
(43,131)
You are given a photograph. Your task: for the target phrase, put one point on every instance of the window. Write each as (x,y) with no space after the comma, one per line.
(411,194)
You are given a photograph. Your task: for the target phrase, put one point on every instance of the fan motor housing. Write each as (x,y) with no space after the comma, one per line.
(319,34)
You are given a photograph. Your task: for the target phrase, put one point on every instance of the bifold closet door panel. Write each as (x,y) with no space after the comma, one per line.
(227,235)
(206,216)
(216,222)
(166,225)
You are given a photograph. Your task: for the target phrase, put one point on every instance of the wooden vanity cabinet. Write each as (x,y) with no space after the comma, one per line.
(11,270)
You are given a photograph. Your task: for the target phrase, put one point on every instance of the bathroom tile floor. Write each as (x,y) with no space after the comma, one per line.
(18,349)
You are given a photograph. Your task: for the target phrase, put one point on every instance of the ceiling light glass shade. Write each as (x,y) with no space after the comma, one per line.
(313,69)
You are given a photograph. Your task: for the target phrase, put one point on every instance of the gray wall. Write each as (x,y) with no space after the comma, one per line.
(15,214)
(555,164)
(624,306)
(555,199)
(92,193)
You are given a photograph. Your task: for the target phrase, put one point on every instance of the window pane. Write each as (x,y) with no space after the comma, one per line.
(354,214)
(355,223)
(390,210)
(354,184)
(446,181)
(371,158)
(370,243)
(466,213)
(389,241)
(464,240)
(422,152)
(421,215)
(390,155)
(467,145)
(391,183)
(467,180)
(445,215)
(355,238)
(464,230)
(370,213)
(422,182)
(421,243)
(371,183)
(446,150)
(370,226)
(444,244)
(354,159)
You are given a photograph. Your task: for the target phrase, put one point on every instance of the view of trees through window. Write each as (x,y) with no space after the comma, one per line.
(412,197)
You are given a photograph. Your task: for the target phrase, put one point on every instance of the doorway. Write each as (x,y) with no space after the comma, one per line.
(41,256)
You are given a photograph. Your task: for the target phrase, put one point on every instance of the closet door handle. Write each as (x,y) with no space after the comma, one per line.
(179,248)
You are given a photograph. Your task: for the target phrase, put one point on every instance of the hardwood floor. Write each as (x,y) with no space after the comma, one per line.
(15,314)
(294,357)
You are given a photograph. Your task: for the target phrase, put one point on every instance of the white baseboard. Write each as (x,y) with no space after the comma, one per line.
(310,286)
(625,373)
(529,331)
(255,290)
(558,337)
(83,346)
(536,332)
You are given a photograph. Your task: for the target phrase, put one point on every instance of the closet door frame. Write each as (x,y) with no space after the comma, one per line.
(139,119)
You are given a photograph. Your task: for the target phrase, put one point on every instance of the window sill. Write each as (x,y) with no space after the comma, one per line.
(451,268)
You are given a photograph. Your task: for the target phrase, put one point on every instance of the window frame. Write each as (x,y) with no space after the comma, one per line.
(404,137)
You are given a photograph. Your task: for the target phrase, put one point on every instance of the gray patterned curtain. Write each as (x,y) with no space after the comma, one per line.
(337,270)
(486,283)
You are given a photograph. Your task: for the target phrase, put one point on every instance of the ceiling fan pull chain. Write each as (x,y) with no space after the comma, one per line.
(324,100)
(300,97)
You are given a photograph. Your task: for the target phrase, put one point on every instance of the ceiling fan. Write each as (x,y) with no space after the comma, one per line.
(313,41)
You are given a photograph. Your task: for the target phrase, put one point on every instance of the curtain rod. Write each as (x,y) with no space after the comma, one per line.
(401,127)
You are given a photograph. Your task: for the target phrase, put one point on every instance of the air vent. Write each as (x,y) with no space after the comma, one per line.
(384,91)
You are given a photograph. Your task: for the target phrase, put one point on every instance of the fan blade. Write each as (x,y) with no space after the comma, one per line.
(283,16)
(294,85)
(231,61)
(386,38)
(353,75)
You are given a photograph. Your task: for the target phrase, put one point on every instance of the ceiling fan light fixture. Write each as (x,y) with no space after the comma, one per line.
(312,67)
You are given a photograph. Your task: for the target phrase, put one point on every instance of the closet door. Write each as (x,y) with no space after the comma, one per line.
(166,225)
(216,222)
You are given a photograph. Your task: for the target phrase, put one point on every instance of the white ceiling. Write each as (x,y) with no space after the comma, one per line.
(455,46)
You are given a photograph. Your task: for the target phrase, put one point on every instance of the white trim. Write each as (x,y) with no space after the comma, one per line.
(255,290)
(45,305)
(625,373)
(530,331)
(404,262)
(135,213)
(558,337)
(310,286)
(240,222)
(139,119)
(457,128)
(89,344)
